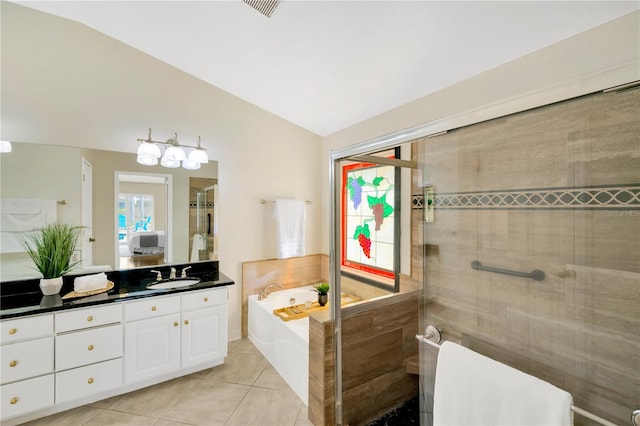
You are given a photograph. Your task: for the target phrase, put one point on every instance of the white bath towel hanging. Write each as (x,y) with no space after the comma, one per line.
(290,217)
(18,216)
(471,389)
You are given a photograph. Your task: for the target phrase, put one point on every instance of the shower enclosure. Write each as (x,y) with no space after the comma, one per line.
(203,223)
(524,231)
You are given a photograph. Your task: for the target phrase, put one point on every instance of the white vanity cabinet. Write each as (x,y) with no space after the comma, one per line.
(88,353)
(76,356)
(204,326)
(152,338)
(172,333)
(26,353)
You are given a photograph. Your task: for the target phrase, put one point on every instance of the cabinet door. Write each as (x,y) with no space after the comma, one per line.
(204,336)
(151,348)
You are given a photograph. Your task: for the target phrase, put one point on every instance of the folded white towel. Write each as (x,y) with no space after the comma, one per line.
(90,282)
(289,216)
(471,389)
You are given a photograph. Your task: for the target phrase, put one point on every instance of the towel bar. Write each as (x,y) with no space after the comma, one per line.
(430,336)
(271,202)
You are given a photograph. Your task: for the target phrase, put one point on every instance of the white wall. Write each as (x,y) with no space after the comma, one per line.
(602,57)
(66,84)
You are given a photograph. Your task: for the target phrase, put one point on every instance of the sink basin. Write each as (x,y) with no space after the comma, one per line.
(177,283)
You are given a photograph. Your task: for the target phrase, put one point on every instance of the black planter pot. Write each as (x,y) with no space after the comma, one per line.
(322,299)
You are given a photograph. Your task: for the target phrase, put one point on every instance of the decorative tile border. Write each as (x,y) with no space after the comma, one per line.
(619,197)
(194,204)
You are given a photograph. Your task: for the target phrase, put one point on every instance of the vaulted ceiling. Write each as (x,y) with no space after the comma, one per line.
(325,65)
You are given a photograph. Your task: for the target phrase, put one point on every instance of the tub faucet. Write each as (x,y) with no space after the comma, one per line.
(264,293)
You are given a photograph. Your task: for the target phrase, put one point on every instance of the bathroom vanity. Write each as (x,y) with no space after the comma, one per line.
(58,354)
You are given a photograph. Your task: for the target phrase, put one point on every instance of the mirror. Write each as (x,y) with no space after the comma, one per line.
(55,173)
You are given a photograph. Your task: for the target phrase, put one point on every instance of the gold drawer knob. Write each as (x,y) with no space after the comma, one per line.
(175,323)
(186,322)
(206,299)
(89,318)
(13,363)
(90,381)
(90,347)
(14,400)
(153,308)
(13,331)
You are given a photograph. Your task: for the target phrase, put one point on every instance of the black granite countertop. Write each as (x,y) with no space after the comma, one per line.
(23,297)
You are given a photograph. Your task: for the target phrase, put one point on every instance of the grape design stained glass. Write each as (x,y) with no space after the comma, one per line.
(368,218)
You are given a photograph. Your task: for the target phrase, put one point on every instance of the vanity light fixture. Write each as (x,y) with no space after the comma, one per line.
(150,151)
(5,146)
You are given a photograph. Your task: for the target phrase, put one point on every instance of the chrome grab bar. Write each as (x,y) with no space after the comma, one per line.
(536,274)
(432,336)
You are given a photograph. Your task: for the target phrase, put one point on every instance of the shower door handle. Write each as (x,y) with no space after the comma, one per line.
(208,223)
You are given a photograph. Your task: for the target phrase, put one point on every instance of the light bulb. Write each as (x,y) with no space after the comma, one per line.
(147,159)
(5,146)
(199,156)
(175,152)
(169,161)
(147,148)
(189,164)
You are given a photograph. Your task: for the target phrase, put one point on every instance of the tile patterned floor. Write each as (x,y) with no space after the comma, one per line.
(244,391)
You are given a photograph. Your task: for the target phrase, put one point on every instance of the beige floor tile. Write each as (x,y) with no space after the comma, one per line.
(107,404)
(245,346)
(163,422)
(271,379)
(267,407)
(232,344)
(199,374)
(208,404)
(156,400)
(75,416)
(239,368)
(303,417)
(116,418)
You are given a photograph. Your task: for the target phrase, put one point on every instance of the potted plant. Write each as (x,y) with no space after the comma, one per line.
(323,290)
(50,249)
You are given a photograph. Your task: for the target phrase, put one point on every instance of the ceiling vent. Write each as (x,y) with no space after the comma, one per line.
(266,7)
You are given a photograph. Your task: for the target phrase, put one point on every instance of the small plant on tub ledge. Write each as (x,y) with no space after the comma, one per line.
(323,290)
(51,249)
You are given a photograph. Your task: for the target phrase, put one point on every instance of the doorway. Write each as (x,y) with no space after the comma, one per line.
(142,219)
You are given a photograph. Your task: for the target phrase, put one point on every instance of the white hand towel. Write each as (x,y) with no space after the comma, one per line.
(289,216)
(90,282)
(21,215)
(197,245)
(471,389)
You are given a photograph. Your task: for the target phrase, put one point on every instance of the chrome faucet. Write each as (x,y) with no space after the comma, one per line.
(184,272)
(264,293)
(172,273)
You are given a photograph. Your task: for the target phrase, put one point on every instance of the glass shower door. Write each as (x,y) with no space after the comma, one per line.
(532,254)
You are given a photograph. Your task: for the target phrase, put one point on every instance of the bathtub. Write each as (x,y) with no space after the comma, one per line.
(285,344)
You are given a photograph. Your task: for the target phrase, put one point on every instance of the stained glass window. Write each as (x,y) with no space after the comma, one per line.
(368,218)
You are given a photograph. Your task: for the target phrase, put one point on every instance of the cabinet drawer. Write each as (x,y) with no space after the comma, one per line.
(84,381)
(26,396)
(26,359)
(151,308)
(26,328)
(89,317)
(88,347)
(204,299)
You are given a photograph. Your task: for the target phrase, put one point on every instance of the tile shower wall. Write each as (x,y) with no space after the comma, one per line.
(557,189)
